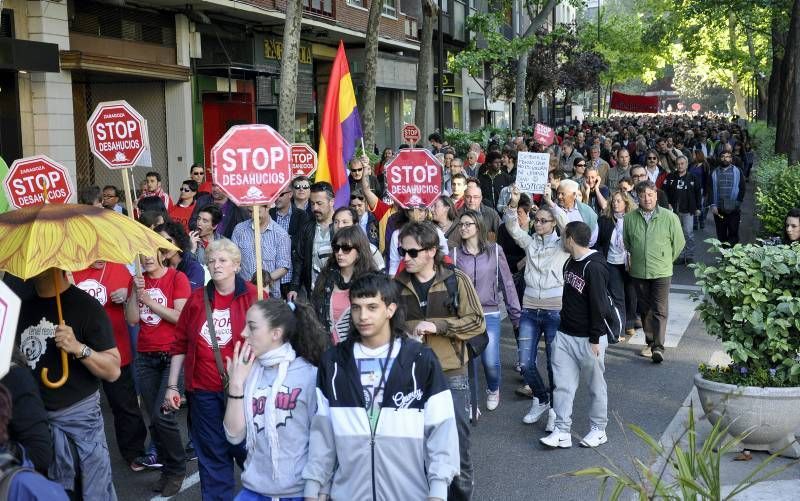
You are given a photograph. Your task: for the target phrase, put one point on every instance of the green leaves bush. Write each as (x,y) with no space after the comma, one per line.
(778,184)
(750,299)
(460,139)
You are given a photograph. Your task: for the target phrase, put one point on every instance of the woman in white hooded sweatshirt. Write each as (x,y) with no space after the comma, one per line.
(541,302)
(271,397)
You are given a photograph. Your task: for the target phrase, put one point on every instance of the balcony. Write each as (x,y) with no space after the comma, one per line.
(411,30)
(323,8)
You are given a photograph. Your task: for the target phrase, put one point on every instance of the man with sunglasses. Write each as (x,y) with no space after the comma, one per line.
(301,187)
(198,174)
(445,320)
(358,168)
(639,174)
(655,173)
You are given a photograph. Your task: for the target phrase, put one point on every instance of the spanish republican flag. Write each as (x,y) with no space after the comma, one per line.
(341,128)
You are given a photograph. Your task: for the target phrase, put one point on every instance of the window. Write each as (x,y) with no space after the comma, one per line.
(390,8)
(356,3)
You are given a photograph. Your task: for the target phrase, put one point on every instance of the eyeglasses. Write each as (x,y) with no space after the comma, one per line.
(652,158)
(582,164)
(465,224)
(186,190)
(302,186)
(109,196)
(346,248)
(543,221)
(356,170)
(411,252)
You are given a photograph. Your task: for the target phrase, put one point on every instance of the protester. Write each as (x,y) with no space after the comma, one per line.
(654,239)
(198,174)
(110,283)
(683,190)
(152,188)
(541,301)
(408,216)
(595,161)
(208,220)
(357,168)
(161,294)
(791,227)
(199,351)
(568,157)
(443,317)
(366,219)
(570,208)
(330,297)
(639,174)
(578,171)
(728,188)
(493,178)
(459,183)
(182,260)
(182,211)
(73,410)
(593,192)
(276,251)
(656,173)
(485,264)
(230,213)
(272,398)
(611,245)
(580,343)
(301,193)
(473,200)
(413,453)
(314,243)
(345,217)
(111,199)
(445,216)
(18,479)
(620,170)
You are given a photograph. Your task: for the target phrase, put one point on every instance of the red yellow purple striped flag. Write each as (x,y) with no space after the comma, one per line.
(341,128)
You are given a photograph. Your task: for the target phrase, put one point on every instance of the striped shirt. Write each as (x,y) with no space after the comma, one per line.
(276,252)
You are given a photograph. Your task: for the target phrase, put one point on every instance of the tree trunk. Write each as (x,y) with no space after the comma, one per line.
(430,12)
(761,81)
(740,107)
(289,62)
(522,66)
(788,137)
(779,36)
(371,74)
(519,89)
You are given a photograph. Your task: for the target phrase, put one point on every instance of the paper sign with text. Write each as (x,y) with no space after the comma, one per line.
(532,172)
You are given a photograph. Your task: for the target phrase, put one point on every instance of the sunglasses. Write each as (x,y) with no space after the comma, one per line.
(302,186)
(346,248)
(652,158)
(356,170)
(186,190)
(582,164)
(197,173)
(411,252)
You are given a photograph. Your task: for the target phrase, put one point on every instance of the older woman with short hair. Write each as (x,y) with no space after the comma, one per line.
(225,299)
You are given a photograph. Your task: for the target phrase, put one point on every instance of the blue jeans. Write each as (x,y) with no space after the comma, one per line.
(152,370)
(491,355)
(215,456)
(532,324)
(247,495)
(461,487)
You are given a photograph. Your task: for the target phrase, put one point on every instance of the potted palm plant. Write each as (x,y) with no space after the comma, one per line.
(750,300)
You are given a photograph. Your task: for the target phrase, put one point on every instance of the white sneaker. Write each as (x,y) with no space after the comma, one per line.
(557,439)
(551,421)
(536,411)
(595,437)
(492,400)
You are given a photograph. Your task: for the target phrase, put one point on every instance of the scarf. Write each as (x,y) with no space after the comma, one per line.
(618,236)
(281,357)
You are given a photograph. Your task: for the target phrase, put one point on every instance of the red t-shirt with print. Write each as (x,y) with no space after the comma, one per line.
(206,374)
(182,215)
(100,283)
(155,333)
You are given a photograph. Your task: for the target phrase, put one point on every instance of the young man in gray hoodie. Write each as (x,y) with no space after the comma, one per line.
(385,428)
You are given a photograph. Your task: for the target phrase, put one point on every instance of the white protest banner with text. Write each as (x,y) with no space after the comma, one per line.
(532,172)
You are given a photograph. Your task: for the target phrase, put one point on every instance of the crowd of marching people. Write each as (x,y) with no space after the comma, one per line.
(354,378)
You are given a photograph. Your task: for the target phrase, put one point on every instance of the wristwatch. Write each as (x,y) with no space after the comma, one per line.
(85,352)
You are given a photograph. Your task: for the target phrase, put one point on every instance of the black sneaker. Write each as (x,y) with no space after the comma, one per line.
(658,356)
(191,455)
(147,461)
(172,485)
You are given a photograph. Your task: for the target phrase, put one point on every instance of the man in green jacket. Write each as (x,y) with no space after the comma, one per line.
(654,239)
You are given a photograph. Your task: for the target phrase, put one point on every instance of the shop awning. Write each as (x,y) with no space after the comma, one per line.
(77,60)
(27,55)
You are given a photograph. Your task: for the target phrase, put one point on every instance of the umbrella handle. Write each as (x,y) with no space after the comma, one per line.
(64,373)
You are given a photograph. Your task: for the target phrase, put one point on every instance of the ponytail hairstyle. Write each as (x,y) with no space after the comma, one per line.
(300,327)
(377,284)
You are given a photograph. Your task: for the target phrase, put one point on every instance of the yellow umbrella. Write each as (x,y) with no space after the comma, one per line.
(70,237)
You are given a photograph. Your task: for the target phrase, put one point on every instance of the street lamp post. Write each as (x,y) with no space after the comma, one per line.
(599,105)
(440,50)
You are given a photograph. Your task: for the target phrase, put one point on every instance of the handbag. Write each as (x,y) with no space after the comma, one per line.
(214,345)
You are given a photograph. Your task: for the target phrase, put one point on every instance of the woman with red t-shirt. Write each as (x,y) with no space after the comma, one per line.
(227,298)
(161,294)
(110,283)
(181,212)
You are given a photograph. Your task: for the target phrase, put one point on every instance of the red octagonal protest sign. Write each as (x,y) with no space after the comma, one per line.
(304,160)
(117,134)
(411,134)
(37,180)
(252,164)
(414,178)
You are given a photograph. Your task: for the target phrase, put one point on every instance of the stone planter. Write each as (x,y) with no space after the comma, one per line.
(770,415)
